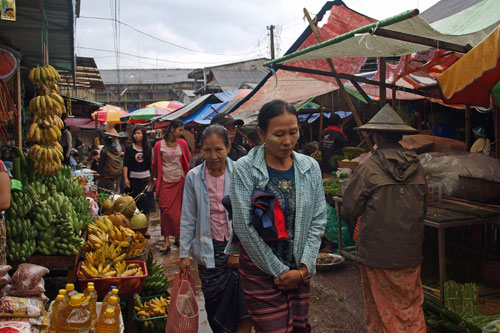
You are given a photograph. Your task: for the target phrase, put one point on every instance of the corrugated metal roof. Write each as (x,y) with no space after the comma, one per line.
(146,76)
(445,8)
(229,80)
(87,75)
(24,34)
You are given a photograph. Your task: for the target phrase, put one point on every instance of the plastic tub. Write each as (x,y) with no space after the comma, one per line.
(153,324)
(125,284)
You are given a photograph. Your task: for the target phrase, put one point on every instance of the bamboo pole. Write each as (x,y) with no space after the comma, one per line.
(344,92)
(383,91)
(19,136)
(321,105)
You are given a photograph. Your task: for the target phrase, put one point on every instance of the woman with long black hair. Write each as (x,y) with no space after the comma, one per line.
(137,169)
(171,164)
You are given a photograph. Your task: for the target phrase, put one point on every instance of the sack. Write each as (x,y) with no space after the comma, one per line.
(267,216)
(112,163)
(37,291)
(27,276)
(183,312)
(232,307)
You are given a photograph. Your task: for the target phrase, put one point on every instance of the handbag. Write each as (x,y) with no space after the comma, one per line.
(232,307)
(183,312)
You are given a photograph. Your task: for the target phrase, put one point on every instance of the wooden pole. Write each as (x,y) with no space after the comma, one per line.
(19,137)
(467,127)
(344,92)
(320,120)
(383,92)
(496,125)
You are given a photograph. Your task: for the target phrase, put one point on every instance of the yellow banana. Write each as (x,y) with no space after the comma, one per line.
(52,133)
(56,97)
(36,75)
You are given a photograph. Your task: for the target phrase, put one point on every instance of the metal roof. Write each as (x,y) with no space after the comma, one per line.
(228,80)
(24,34)
(445,8)
(86,76)
(146,76)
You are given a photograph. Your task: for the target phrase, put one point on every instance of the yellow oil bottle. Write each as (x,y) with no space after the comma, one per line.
(108,323)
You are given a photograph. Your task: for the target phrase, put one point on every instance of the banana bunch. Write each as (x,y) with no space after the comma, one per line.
(156,283)
(137,245)
(20,250)
(47,105)
(20,205)
(46,75)
(46,159)
(155,307)
(41,216)
(44,134)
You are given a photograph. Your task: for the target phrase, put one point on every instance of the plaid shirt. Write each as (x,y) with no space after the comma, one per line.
(250,172)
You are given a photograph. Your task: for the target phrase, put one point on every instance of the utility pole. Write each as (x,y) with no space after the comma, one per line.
(271,35)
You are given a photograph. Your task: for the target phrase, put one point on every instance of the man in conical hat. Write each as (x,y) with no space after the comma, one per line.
(385,199)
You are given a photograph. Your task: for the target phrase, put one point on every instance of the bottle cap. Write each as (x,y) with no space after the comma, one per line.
(90,288)
(60,297)
(113,300)
(76,300)
(110,313)
(90,284)
(115,291)
(70,287)
(62,292)
(113,287)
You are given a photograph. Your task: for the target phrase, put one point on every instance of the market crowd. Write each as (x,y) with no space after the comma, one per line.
(252,219)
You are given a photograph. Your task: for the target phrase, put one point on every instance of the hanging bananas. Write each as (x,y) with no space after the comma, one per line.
(45,75)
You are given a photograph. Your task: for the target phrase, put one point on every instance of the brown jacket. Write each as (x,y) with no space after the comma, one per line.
(388,191)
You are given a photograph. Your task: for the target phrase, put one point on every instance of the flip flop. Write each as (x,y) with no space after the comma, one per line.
(165,251)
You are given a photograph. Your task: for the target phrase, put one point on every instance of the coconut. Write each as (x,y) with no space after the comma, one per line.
(139,221)
(118,219)
(125,205)
(107,207)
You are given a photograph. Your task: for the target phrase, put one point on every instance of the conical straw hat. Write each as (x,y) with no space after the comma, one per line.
(386,120)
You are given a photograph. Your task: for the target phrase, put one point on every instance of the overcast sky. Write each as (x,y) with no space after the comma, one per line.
(206,32)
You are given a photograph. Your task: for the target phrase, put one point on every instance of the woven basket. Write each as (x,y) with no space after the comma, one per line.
(478,189)
(351,165)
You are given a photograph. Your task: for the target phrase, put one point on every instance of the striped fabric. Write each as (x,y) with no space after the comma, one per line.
(273,310)
(250,172)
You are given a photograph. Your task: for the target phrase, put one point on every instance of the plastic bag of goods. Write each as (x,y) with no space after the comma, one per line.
(27,276)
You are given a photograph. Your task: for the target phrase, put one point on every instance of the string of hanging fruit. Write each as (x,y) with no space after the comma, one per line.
(46,126)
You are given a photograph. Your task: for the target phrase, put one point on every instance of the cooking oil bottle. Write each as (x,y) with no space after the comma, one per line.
(75,318)
(105,302)
(92,294)
(70,291)
(114,304)
(56,308)
(108,323)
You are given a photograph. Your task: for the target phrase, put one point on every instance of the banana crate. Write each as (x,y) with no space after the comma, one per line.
(125,284)
(152,324)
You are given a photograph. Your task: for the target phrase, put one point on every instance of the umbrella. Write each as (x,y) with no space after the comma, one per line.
(170,105)
(109,114)
(145,114)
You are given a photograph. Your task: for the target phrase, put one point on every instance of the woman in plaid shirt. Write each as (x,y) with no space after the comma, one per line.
(275,274)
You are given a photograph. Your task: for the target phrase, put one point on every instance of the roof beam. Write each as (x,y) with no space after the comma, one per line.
(351,77)
(439,44)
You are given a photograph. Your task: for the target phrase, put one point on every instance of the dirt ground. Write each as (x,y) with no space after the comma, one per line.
(336,301)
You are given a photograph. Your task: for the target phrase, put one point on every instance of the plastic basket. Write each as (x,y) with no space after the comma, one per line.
(153,324)
(125,284)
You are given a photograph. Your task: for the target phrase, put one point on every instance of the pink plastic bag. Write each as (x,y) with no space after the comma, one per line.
(183,312)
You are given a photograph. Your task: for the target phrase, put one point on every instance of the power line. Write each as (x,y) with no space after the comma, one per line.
(157,59)
(162,40)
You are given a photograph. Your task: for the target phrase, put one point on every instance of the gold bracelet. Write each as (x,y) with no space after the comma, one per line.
(302,275)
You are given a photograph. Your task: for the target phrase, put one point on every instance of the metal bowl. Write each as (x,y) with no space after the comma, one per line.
(328,260)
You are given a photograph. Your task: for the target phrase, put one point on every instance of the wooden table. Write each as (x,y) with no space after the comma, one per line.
(440,216)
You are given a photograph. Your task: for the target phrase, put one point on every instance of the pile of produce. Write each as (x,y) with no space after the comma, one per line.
(351,153)
(102,231)
(107,261)
(46,125)
(332,186)
(47,217)
(460,313)
(156,283)
(155,307)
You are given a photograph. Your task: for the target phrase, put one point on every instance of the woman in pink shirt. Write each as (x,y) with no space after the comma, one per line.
(205,230)
(171,164)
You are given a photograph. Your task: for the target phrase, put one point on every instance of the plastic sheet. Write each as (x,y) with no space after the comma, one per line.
(445,168)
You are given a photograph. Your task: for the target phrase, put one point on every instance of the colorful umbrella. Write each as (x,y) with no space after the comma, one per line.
(145,114)
(170,105)
(109,114)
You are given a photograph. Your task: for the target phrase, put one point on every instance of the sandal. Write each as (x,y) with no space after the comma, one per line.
(165,251)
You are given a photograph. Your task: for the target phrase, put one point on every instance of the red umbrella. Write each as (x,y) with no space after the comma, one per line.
(109,114)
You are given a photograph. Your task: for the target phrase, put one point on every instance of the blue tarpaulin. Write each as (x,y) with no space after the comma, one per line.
(312,117)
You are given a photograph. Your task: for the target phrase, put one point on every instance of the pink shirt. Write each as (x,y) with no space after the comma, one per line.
(218,219)
(171,163)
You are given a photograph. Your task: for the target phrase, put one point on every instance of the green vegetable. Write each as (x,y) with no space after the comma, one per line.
(333,161)
(353,152)
(332,186)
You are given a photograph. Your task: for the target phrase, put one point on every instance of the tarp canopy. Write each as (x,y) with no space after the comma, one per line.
(190,108)
(80,123)
(369,40)
(471,79)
